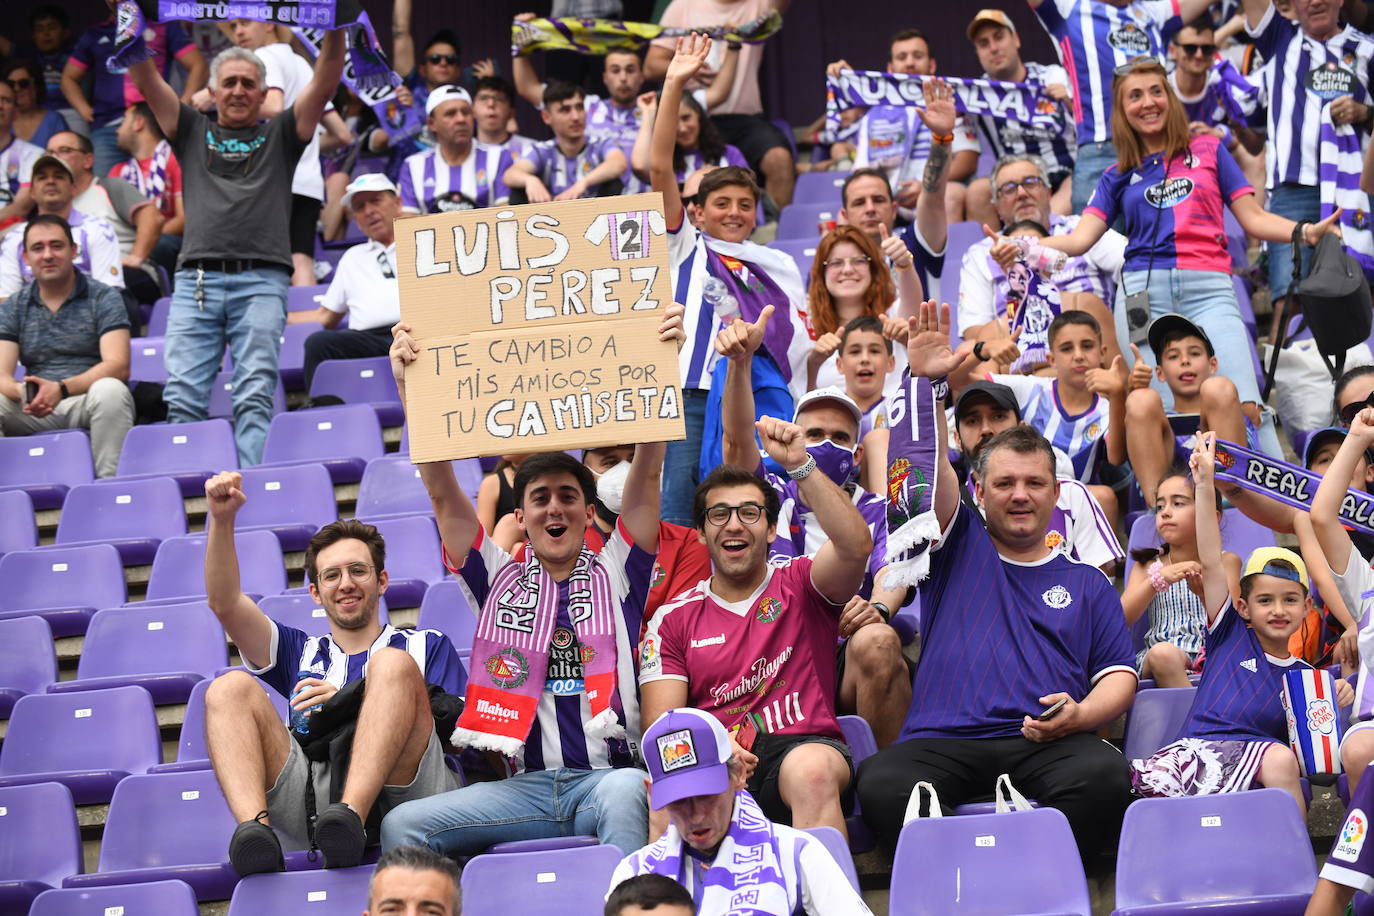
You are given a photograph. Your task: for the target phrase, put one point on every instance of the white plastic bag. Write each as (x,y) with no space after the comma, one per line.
(1303,388)
(913,805)
(1008,798)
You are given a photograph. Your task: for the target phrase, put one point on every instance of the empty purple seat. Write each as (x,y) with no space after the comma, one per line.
(802,252)
(64,586)
(46,466)
(86,741)
(570,881)
(163,898)
(291,501)
(146,363)
(338,890)
(1155,718)
(391,486)
(305,298)
(802,220)
(17,528)
(291,359)
(447,610)
(1243,535)
(819,187)
(189,453)
(165,649)
(858,734)
(343,439)
(222,398)
(543,844)
(299,610)
(191,750)
(39,842)
(157,321)
(27,661)
(132,515)
(413,558)
(361,381)
(179,568)
(835,844)
(1026,862)
(1167,861)
(167,826)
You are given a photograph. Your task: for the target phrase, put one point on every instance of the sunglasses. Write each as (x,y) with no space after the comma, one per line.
(1130,65)
(1349,411)
(1203,50)
(450,59)
(16,85)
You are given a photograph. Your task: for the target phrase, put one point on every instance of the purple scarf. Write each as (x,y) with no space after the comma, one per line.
(1020,103)
(1288,484)
(912,453)
(379,91)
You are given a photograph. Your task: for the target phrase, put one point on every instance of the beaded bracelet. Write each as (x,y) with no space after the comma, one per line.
(1155,571)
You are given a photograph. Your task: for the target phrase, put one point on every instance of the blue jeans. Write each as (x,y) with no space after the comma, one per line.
(107,151)
(1092,161)
(246,310)
(681,466)
(1295,201)
(608,804)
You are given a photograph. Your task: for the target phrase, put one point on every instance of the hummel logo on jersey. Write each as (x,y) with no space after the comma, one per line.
(709,641)
(1249,664)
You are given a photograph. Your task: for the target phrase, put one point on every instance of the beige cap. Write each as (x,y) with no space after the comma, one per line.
(996,17)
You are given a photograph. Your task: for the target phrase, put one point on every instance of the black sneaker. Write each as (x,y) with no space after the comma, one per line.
(254,848)
(340,836)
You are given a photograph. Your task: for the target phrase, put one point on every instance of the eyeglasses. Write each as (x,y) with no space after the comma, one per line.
(450,59)
(1204,50)
(1350,411)
(66,150)
(358,572)
(858,263)
(719,514)
(1031,183)
(16,85)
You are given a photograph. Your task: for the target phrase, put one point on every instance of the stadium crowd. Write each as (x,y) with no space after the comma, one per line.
(1039,330)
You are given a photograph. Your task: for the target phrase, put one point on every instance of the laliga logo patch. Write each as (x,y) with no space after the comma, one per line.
(649,651)
(1321,717)
(770,609)
(658,576)
(677,750)
(1168,193)
(1057,598)
(508,668)
(1353,833)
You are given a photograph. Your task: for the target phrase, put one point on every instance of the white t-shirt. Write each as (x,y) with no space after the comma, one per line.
(288,71)
(744,96)
(361,288)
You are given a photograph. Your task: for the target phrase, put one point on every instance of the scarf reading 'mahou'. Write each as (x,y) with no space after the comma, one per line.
(510,653)
(912,453)
(1021,103)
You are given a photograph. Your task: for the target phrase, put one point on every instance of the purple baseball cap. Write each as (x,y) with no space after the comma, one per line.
(688,753)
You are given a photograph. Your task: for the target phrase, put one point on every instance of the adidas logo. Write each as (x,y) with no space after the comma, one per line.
(1135,178)
(1249,665)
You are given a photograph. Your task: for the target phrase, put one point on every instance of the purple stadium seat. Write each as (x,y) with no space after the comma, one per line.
(222,398)
(132,515)
(299,610)
(64,586)
(343,439)
(27,661)
(157,322)
(446,609)
(839,851)
(1167,861)
(819,188)
(17,528)
(340,890)
(1155,719)
(802,220)
(40,843)
(801,251)
(179,568)
(1025,862)
(361,381)
(413,559)
(167,826)
(46,466)
(961,237)
(566,881)
(543,844)
(189,453)
(164,898)
(858,734)
(146,359)
(291,501)
(86,741)
(165,649)
(391,487)
(305,298)
(1242,535)
(191,752)
(291,361)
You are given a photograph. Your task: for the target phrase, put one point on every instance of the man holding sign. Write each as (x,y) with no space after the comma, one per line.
(236,256)
(553,682)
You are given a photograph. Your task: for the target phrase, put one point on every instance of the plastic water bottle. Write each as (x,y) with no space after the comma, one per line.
(300,718)
(714,291)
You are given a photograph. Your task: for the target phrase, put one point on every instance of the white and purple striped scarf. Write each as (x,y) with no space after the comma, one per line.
(913,451)
(745,877)
(153,183)
(1342,160)
(1021,103)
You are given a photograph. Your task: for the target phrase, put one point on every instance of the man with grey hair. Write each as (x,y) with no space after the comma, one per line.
(1021,195)
(413,879)
(235,263)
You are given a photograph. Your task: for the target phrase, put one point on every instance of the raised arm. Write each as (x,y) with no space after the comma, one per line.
(1326,504)
(691,55)
(240,616)
(1188,10)
(647,104)
(1090,228)
(1254,11)
(929,355)
(737,342)
(720,87)
(527,82)
(939,116)
(197,72)
(453,511)
(161,98)
(1216,590)
(640,511)
(402,42)
(309,105)
(1319,568)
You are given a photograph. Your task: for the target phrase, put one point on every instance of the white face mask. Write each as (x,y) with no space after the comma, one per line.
(610,486)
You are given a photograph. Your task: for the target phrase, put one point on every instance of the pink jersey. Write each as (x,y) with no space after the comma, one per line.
(769,659)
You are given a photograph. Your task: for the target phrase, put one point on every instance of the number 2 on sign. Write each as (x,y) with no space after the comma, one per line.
(630,245)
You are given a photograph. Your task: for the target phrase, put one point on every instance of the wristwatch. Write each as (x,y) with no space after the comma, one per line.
(62,386)
(882,610)
(804,470)
(978,351)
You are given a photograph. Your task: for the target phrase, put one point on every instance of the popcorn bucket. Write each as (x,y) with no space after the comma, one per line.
(1314,720)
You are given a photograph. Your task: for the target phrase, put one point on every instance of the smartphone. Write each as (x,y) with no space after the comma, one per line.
(1185,424)
(30,391)
(746,734)
(1053,711)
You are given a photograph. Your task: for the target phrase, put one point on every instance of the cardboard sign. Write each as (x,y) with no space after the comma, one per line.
(538,328)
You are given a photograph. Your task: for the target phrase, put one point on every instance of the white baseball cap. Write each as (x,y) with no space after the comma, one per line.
(371,181)
(831,393)
(445,94)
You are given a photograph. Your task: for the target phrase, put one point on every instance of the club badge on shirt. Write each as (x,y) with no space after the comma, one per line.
(1057,597)
(769,609)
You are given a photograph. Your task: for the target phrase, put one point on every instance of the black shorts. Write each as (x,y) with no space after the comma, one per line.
(305,219)
(753,135)
(763,785)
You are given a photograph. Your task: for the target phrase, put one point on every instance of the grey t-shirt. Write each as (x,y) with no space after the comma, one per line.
(58,345)
(115,201)
(237,186)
